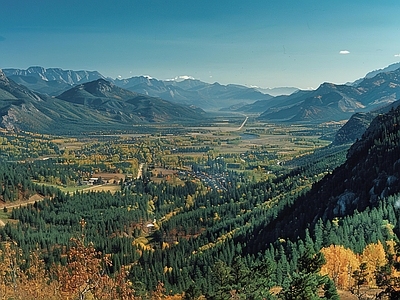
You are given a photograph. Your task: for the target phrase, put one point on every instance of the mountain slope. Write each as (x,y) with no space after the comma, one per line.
(97,105)
(18,105)
(187,91)
(335,102)
(122,104)
(358,123)
(51,81)
(353,129)
(329,102)
(371,172)
(56,74)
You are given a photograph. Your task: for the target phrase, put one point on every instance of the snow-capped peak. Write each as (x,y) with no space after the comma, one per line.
(181,78)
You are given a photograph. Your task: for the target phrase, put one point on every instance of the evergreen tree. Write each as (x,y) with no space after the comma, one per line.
(330,290)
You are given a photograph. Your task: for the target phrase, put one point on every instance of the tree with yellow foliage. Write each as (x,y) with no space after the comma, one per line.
(340,265)
(374,257)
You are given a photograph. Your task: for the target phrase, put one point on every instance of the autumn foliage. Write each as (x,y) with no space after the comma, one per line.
(342,263)
(82,277)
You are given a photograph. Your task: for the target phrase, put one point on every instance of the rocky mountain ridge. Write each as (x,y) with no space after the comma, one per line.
(96,105)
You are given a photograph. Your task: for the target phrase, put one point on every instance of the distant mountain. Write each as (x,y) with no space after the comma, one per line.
(193,92)
(329,102)
(370,173)
(278,91)
(183,90)
(51,88)
(97,105)
(129,106)
(51,81)
(332,102)
(390,68)
(56,74)
(260,106)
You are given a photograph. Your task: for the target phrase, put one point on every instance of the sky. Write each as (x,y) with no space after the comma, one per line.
(265,43)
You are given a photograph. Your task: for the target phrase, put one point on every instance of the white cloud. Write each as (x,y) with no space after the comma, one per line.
(397,55)
(344,52)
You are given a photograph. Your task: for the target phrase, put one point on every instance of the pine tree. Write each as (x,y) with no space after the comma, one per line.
(330,290)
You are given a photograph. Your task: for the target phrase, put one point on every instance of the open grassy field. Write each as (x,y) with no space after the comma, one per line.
(112,188)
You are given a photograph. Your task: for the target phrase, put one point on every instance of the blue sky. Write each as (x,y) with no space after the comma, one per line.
(266,43)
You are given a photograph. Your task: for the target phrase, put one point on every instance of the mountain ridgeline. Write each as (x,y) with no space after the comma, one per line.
(329,102)
(51,81)
(89,106)
(186,91)
(128,106)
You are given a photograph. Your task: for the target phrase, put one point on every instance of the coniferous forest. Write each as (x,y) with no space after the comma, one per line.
(317,224)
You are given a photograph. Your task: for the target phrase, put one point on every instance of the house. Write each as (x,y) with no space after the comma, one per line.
(93,181)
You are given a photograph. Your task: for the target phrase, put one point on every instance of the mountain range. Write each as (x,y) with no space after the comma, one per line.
(186,90)
(52,81)
(92,105)
(329,102)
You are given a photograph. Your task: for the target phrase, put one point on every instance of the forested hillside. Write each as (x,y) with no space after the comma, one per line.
(370,173)
(274,238)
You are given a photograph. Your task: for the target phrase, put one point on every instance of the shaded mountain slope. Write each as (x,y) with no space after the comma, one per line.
(123,104)
(371,172)
(358,123)
(354,128)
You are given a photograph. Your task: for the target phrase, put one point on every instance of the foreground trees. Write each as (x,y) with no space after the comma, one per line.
(82,277)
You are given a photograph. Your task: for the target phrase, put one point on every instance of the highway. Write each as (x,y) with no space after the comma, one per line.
(244,122)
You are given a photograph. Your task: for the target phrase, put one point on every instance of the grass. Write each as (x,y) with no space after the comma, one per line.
(112,188)
(86,188)
(65,189)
